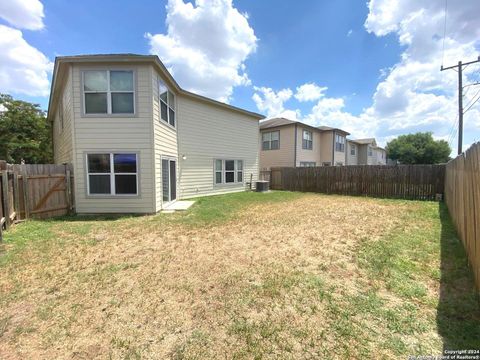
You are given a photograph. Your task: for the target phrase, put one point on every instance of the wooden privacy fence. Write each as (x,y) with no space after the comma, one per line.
(39,191)
(417,182)
(462,196)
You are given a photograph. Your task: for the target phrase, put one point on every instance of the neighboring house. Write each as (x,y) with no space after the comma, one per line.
(365,152)
(290,143)
(334,146)
(138,142)
(381,155)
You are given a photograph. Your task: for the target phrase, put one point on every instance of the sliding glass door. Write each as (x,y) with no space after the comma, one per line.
(169,180)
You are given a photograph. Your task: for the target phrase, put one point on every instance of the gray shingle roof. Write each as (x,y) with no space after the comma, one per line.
(270,123)
(365,141)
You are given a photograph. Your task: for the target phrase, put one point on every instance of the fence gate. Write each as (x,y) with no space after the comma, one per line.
(39,191)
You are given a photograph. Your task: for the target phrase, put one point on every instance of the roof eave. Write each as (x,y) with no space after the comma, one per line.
(138,58)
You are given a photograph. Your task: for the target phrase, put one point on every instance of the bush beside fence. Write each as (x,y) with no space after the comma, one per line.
(462,196)
(417,182)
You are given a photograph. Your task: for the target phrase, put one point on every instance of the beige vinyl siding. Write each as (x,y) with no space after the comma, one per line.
(326,147)
(165,139)
(380,160)
(114,133)
(63,138)
(362,154)
(371,160)
(207,132)
(313,155)
(352,159)
(340,157)
(284,156)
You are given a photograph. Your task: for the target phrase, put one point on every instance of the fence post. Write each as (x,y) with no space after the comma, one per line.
(6,207)
(25,191)
(68,189)
(16,196)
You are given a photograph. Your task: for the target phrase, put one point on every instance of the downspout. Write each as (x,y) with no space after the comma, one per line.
(295,150)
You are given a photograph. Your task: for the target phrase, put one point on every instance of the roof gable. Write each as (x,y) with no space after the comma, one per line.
(126,58)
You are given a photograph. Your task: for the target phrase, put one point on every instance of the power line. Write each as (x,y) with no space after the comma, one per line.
(452,132)
(469,106)
(444,32)
(460,68)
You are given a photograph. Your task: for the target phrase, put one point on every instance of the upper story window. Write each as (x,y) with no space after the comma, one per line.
(167,103)
(370,151)
(307,142)
(339,143)
(108,92)
(353,150)
(271,140)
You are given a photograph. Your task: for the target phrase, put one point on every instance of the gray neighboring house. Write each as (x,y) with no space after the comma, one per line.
(138,141)
(365,152)
(289,143)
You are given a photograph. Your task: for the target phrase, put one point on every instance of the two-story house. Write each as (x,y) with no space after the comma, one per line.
(365,152)
(138,141)
(285,142)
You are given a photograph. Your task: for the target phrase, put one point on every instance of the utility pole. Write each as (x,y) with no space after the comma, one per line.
(459,68)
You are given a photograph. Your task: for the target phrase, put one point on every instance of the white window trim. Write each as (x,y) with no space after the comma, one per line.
(112,174)
(309,141)
(339,139)
(353,150)
(270,140)
(369,151)
(160,101)
(224,171)
(174,159)
(109,94)
(308,164)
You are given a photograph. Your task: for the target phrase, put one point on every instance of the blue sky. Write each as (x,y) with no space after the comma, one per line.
(371,68)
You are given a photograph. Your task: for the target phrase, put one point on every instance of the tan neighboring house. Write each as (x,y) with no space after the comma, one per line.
(138,142)
(289,143)
(365,152)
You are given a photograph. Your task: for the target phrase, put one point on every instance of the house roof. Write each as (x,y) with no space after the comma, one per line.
(276,122)
(365,141)
(328,128)
(127,57)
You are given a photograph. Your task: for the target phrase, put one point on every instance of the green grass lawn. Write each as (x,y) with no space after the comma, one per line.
(244,275)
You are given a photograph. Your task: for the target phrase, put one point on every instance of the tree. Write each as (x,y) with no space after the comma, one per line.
(419,148)
(25,133)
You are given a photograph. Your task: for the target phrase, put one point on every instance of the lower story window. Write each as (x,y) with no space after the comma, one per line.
(228,171)
(307,164)
(112,174)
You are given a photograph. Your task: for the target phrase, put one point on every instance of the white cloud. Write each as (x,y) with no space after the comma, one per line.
(272,103)
(309,92)
(23,14)
(23,68)
(206,46)
(415,95)
(350,32)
